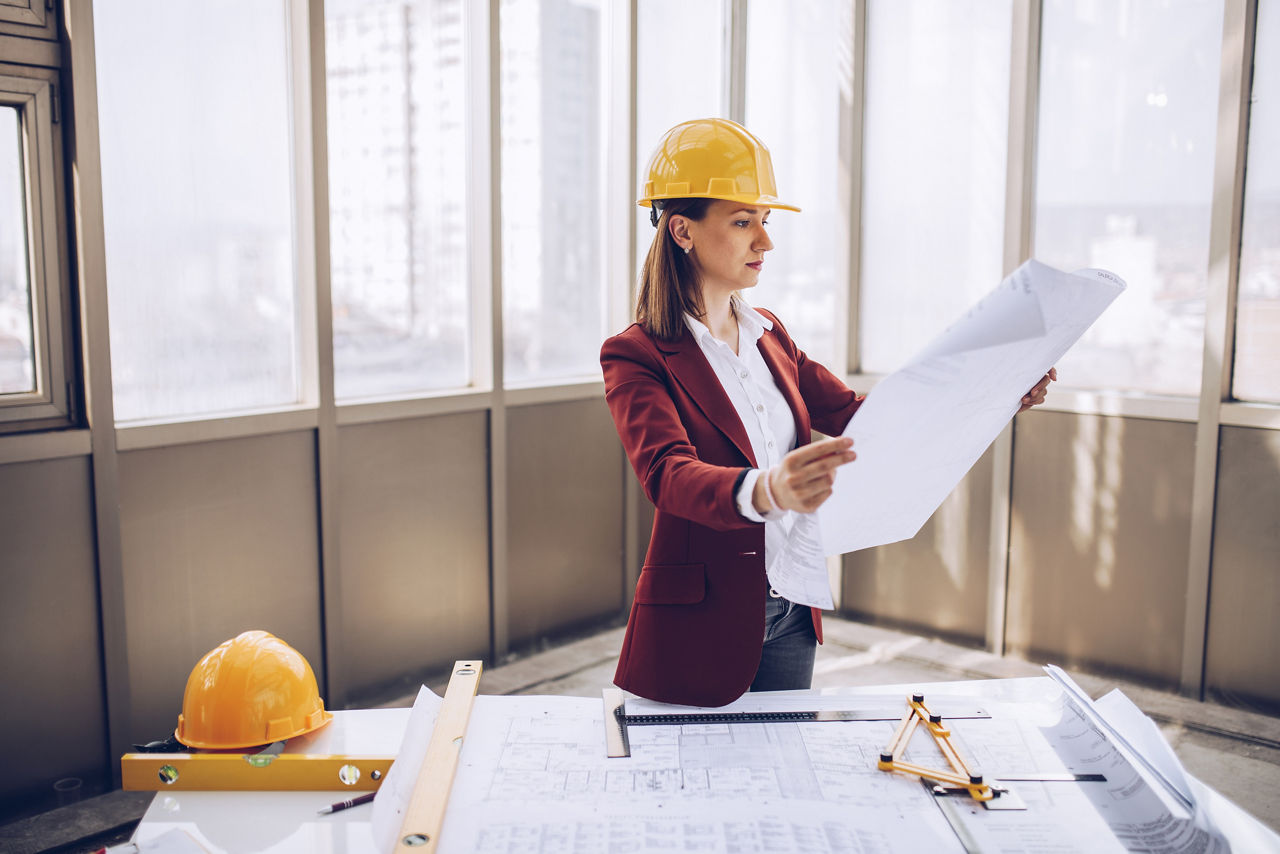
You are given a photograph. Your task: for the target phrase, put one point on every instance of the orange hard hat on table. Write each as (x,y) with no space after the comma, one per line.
(711,159)
(251,690)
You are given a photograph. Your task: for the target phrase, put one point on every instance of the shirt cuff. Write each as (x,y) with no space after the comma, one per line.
(746,507)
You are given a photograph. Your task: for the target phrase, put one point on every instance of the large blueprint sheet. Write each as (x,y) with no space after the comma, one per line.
(923,427)
(534,778)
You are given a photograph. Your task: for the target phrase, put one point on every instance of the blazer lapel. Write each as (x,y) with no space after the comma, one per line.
(783,369)
(690,368)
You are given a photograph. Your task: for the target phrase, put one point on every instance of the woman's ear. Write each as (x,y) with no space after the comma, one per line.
(678,226)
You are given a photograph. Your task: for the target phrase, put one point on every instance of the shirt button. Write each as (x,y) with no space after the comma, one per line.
(743,374)
(771,444)
(759,407)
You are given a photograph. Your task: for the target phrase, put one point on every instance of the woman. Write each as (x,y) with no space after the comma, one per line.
(715,404)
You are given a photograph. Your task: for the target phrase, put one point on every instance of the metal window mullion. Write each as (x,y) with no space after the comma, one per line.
(314,314)
(91,273)
(486,253)
(850,148)
(1226,213)
(735,57)
(1019,208)
(852,122)
(621,242)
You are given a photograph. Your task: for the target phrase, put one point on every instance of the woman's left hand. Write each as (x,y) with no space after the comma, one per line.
(1038,391)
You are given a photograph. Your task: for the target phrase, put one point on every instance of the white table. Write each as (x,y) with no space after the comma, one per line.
(288,822)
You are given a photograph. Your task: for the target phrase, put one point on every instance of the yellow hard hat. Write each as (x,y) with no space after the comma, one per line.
(711,159)
(253,689)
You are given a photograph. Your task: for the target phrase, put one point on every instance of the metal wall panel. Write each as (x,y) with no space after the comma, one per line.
(218,538)
(1241,667)
(52,723)
(1098,542)
(565,517)
(414,548)
(936,581)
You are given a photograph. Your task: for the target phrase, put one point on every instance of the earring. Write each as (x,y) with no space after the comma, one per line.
(688,249)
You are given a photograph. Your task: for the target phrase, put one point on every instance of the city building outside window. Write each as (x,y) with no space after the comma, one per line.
(194,113)
(1127,131)
(798,70)
(679,76)
(553,81)
(933,175)
(398,203)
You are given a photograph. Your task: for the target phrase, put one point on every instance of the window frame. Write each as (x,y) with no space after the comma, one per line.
(33,92)
(35,19)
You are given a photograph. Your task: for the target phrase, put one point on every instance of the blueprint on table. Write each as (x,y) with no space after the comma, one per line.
(533,777)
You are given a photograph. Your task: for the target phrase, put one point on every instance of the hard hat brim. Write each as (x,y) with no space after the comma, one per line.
(317,721)
(754,201)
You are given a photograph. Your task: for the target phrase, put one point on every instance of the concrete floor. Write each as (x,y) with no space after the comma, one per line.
(1235,752)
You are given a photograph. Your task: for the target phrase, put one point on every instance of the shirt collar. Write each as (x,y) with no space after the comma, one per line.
(752,322)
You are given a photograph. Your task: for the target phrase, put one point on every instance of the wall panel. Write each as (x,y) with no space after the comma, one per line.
(414,548)
(1098,542)
(936,581)
(52,723)
(565,507)
(1244,598)
(217,538)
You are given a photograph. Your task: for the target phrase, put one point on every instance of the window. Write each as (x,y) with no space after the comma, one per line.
(197,171)
(1257,359)
(17,355)
(798,70)
(680,76)
(33,382)
(552,141)
(397,199)
(934,161)
(1124,178)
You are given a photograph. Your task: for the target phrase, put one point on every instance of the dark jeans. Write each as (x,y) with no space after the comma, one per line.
(789,646)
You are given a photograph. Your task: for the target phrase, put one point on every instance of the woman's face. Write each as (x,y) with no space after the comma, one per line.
(728,245)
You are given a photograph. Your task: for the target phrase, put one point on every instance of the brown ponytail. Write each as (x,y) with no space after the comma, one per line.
(668,281)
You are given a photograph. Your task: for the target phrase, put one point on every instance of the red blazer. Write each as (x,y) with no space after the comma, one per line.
(696,627)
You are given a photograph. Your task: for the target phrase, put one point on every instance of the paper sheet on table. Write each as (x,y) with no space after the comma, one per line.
(1155,807)
(923,427)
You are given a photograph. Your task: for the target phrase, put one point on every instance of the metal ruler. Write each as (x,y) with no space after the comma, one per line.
(617,721)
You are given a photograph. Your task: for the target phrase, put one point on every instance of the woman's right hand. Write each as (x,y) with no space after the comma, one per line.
(804,478)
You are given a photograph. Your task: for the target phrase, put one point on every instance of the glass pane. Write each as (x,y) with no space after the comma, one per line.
(1257,363)
(198,206)
(1124,179)
(797,61)
(553,284)
(17,356)
(933,175)
(670,92)
(397,195)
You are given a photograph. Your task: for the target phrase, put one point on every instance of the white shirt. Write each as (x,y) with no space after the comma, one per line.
(771,429)
(746,379)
